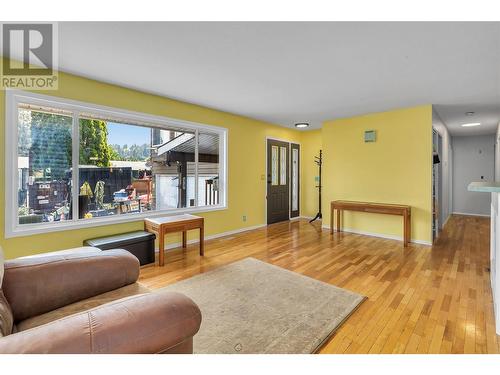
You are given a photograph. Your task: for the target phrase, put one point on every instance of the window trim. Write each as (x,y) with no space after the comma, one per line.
(15,97)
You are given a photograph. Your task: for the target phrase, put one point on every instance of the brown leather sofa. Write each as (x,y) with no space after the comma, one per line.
(88,301)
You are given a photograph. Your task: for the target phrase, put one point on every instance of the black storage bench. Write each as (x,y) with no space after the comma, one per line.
(139,243)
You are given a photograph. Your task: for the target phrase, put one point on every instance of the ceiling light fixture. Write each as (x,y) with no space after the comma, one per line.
(301,124)
(470,124)
(470,113)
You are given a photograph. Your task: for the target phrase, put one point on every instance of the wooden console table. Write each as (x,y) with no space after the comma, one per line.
(169,224)
(376,208)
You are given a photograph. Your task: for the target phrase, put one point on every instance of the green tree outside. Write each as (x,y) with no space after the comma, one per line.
(50,151)
(94,147)
(47,140)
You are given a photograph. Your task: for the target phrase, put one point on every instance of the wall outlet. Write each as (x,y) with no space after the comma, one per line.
(244,217)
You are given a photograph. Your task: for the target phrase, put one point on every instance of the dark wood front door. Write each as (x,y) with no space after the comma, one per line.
(278,181)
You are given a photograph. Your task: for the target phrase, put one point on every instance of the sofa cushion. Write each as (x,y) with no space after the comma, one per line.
(6,318)
(74,250)
(34,286)
(77,307)
(1,266)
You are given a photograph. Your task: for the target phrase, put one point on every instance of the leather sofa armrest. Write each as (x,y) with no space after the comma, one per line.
(148,323)
(34,286)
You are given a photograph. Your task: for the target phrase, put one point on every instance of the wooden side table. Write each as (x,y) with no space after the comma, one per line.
(376,208)
(170,224)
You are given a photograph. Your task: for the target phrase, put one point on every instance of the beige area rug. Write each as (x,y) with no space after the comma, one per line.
(254,307)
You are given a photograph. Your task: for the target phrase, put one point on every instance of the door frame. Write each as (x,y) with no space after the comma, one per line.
(289,142)
(297,146)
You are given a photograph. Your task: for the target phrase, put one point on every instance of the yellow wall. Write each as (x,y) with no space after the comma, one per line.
(246,163)
(310,145)
(394,169)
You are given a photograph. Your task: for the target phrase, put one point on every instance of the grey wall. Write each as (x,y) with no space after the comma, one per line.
(473,157)
(445,197)
(497,155)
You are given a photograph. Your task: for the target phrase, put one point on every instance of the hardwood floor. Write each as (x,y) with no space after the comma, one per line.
(421,299)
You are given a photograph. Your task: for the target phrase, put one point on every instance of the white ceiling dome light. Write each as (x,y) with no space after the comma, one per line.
(301,124)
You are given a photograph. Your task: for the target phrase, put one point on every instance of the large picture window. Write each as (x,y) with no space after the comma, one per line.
(74,164)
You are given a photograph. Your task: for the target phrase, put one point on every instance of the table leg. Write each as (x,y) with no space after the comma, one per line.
(405,229)
(338,220)
(408,228)
(202,240)
(184,239)
(332,210)
(161,241)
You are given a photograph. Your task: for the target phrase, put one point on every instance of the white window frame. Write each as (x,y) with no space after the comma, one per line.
(14,98)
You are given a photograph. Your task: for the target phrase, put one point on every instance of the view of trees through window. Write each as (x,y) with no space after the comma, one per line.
(44,166)
(122,168)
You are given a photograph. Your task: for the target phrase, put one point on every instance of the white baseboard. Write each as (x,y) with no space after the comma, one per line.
(469,214)
(448,218)
(246,229)
(379,235)
(213,236)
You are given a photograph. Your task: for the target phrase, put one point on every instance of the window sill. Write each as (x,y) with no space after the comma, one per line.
(33,229)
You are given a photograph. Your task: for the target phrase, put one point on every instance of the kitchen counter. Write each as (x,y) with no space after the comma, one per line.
(484,187)
(494,189)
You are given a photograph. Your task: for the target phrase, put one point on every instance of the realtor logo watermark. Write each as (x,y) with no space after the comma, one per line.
(29,56)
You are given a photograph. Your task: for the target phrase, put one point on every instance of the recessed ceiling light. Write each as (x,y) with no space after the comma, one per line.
(470,113)
(301,124)
(471,124)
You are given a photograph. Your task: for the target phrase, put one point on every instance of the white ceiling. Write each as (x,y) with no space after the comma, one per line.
(297,71)
(455,115)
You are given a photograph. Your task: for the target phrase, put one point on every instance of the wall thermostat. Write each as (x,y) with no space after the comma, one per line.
(370,135)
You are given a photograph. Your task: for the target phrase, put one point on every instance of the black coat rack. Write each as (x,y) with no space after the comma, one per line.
(319,161)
